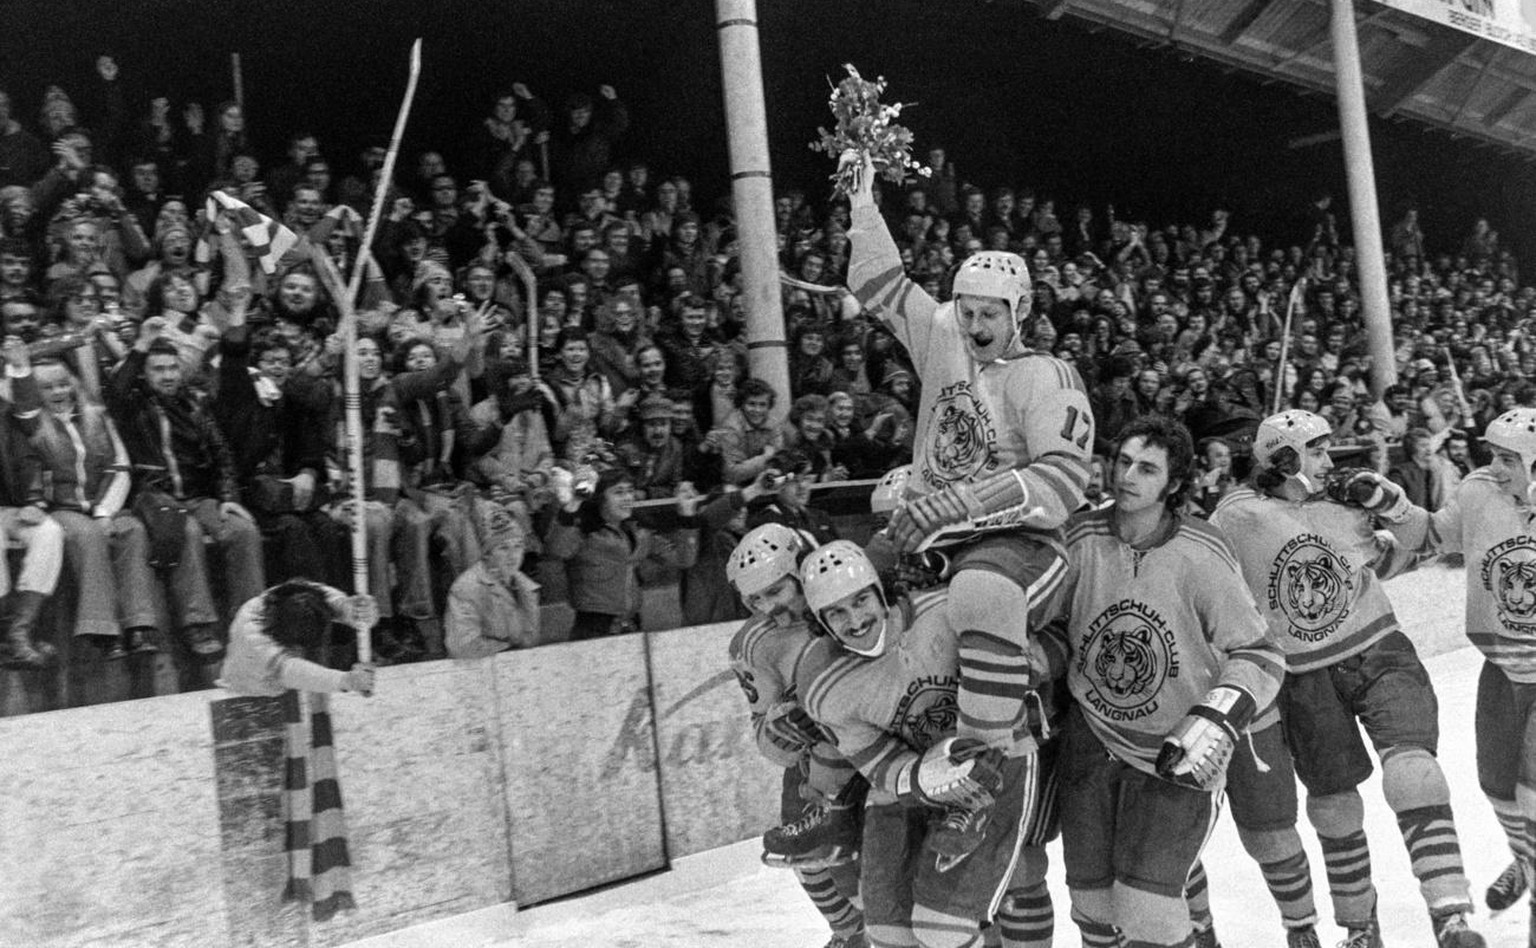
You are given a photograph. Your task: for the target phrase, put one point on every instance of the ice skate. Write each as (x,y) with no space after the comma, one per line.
(827,835)
(1364,936)
(958,834)
(850,940)
(1305,937)
(1451,931)
(1508,887)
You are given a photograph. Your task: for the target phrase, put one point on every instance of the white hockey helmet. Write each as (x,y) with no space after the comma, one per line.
(890,493)
(1293,429)
(832,573)
(998,274)
(1515,430)
(764,556)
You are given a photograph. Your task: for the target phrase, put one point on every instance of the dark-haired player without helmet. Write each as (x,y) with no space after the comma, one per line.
(1170,664)
(1308,549)
(279,640)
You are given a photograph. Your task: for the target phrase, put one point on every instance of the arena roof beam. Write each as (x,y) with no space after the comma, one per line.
(1505,106)
(1053,9)
(1245,18)
(1441,53)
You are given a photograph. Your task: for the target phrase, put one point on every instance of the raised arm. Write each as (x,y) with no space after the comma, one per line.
(876,278)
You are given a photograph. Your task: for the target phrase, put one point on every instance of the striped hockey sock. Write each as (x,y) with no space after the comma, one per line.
(1197,895)
(1026,917)
(1348,860)
(1517,829)
(841,914)
(990,697)
(1290,885)
(1430,833)
(1097,934)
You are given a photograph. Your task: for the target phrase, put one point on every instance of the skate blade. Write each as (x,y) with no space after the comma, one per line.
(838,857)
(943,864)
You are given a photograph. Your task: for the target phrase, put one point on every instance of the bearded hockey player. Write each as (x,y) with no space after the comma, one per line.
(820,838)
(887,696)
(1169,663)
(1489,521)
(1308,551)
(1001,459)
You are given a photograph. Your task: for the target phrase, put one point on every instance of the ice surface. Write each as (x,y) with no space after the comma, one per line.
(727,898)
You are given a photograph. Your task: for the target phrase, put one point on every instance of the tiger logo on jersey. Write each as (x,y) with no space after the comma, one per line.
(1509,573)
(961,443)
(927,712)
(1126,664)
(1311,585)
(1127,655)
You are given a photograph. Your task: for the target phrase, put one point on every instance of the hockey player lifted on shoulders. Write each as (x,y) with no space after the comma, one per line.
(1169,664)
(1001,459)
(887,697)
(765,654)
(1307,547)
(1490,521)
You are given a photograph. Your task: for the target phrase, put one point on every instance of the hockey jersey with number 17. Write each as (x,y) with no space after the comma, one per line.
(1152,631)
(1027,413)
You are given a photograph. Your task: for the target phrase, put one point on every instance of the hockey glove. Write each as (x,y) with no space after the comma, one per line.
(917,571)
(927,515)
(790,729)
(1357,487)
(957,771)
(1198,750)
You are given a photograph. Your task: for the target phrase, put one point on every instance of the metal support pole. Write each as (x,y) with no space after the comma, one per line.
(1370,256)
(752,194)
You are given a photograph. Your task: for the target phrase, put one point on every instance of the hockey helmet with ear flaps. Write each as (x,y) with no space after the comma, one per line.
(1290,430)
(890,492)
(834,572)
(764,556)
(997,274)
(1515,430)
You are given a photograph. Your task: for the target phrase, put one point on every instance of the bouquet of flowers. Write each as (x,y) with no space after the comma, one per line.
(867,127)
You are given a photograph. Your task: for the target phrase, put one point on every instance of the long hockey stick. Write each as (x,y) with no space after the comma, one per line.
(352,382)
(1283,366)
(530,325)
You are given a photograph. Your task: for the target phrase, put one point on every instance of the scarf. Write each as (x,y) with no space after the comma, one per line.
(319,866)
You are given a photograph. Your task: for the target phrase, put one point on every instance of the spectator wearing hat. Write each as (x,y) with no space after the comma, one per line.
(596,536)
(654,457)
(493,606)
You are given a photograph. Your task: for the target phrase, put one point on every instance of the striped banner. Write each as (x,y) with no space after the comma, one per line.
(269,238)
(319,866)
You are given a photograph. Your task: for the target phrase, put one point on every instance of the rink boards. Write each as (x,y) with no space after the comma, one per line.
(521,778)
